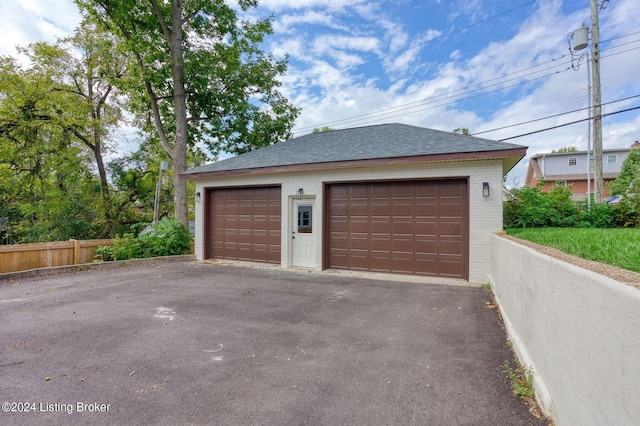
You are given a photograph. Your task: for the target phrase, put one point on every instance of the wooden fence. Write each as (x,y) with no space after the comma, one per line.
(21,257)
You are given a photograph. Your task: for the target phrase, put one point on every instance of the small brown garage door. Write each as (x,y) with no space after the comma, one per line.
(244,224)
(417,227)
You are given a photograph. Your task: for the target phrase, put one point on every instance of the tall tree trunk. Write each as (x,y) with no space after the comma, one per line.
(180,103)
(96,145)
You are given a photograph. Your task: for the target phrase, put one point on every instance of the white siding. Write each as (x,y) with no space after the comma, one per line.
(556,165)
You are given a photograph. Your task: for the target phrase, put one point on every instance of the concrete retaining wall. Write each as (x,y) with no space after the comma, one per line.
(580,331)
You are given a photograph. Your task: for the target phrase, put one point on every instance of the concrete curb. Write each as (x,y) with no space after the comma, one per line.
(30,273)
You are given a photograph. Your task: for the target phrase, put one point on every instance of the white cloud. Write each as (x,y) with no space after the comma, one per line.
(30,20)
(284,23)
(279,5)
(327,43)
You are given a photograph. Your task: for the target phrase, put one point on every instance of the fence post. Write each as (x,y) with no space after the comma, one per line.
(76,251)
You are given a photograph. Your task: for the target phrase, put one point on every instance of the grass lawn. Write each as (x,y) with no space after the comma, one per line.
(618,247)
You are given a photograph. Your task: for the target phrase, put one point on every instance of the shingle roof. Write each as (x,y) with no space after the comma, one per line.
(361,143)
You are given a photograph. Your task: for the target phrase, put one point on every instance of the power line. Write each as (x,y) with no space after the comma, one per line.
(383,114)
(552,116)
(568,124)
(449,95)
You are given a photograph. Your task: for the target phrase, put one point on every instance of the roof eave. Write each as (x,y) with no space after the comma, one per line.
(510,158)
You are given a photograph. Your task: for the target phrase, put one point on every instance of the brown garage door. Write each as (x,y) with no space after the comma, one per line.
(417,227)
(244,224)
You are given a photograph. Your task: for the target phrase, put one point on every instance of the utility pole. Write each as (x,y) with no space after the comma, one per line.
(597,103)
(156,203)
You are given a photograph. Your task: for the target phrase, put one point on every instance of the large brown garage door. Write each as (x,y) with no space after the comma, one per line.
(244,224)
(417,227)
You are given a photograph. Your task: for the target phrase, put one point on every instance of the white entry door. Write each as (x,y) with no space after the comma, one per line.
(303,234)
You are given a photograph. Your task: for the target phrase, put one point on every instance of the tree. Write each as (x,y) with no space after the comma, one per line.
(461,131)
(565,149)
(197,75)
(323,129)
(46,188)
(80,71)
(629,174)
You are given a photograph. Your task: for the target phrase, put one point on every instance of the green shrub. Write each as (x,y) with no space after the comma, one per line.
(599,216)
(531,207)
(126,247)
(166,238)
(103,253)
(628,212)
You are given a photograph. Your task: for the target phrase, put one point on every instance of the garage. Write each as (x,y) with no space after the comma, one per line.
(245,223)
(410,227)
(389,198)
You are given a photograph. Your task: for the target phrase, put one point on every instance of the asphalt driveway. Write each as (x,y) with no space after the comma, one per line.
(196,343)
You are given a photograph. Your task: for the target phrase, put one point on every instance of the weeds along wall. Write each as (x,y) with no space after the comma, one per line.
(577,329)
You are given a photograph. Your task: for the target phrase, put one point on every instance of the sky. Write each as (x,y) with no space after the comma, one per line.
(442,64)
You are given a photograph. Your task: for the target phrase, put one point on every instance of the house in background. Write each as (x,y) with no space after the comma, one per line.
(390,198)
(570,169)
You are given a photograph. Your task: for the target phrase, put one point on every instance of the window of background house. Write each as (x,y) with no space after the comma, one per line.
(573,161)
(561,183)
(612,159)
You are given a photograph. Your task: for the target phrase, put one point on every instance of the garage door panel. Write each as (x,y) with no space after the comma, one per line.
(359,225)
(339,192)
(255,222)
(258,209)
(450,247)
(413,227)
(401,244)
(359,261)
(380,263)
(339,242)
(450,189)
(246,237)
(450,228)
(402,264)
(245,224)
(428,190)
(402,190)
(381,243)
(338,209)
(426,265)
(451,210)
(230,236)
(379,191)
(339,259)
(359,192)
(338,224)
(359,209)
(381,209)
(426,246)
(359,243)
(402,209)
(273,241)
(426,209)
(425,227)
(450,268)
(380,226)
(402,227)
